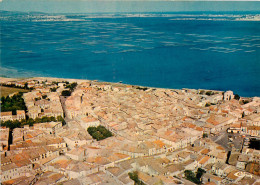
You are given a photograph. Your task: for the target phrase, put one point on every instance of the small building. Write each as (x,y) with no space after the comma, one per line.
(20,114)
(4,137)
(228,95)
(234,128)
(78,154)
(5,116)
(50,128)
(206,178)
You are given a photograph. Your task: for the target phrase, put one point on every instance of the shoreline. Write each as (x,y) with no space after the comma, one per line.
(98,82)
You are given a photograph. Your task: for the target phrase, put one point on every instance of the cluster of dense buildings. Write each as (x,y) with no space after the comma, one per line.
(160,133)
(41,104)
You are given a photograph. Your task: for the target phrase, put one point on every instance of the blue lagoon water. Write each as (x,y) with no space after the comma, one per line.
(159,50)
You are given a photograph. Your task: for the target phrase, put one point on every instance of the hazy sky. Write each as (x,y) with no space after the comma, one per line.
(85,6)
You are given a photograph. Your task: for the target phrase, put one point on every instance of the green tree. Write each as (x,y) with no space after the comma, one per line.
(30,122)
(208,104)
(191,176)
(92,130)
(65,93)
(209,93)
(237,97)
(188,173)
(23,122)
(135,178)
(245,101)
(61,119)
(26,86)
(38,120)
(73,86)
(97,135)
(99,132)
(196,178)
(199,173)
(44,119)
(54,89)
(13,103)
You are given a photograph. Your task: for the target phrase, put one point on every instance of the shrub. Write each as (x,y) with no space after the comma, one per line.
(196,178)
(65,93)
(72,86)
(199,173)
(208,104)
(61,119)
(135,178)
(142,88)
(209,93)
(54,89)
(245,101)
(237,97)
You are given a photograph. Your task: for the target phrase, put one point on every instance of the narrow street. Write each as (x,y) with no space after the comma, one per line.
(10,139)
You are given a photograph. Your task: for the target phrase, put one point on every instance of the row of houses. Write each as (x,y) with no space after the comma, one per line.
(5,116)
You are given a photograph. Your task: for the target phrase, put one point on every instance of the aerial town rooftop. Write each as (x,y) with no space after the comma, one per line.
(159,136)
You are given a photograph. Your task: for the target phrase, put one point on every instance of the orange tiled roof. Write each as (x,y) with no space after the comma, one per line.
(212,120)
(9,182)
(9,113)
(159,143)
(89,119)
(220,148)
(55,177)
(28,141)
(224,111)
(232,175)
(18,112)
(199,128)
(121,156)
(205,151)
(168,132)
(204,160)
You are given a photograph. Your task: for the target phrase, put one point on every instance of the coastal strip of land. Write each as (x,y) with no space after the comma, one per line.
(76,131)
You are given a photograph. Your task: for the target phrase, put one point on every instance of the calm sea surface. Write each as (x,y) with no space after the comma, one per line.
(169,51)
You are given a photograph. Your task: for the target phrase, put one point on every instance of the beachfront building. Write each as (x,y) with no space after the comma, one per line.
(228,95)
